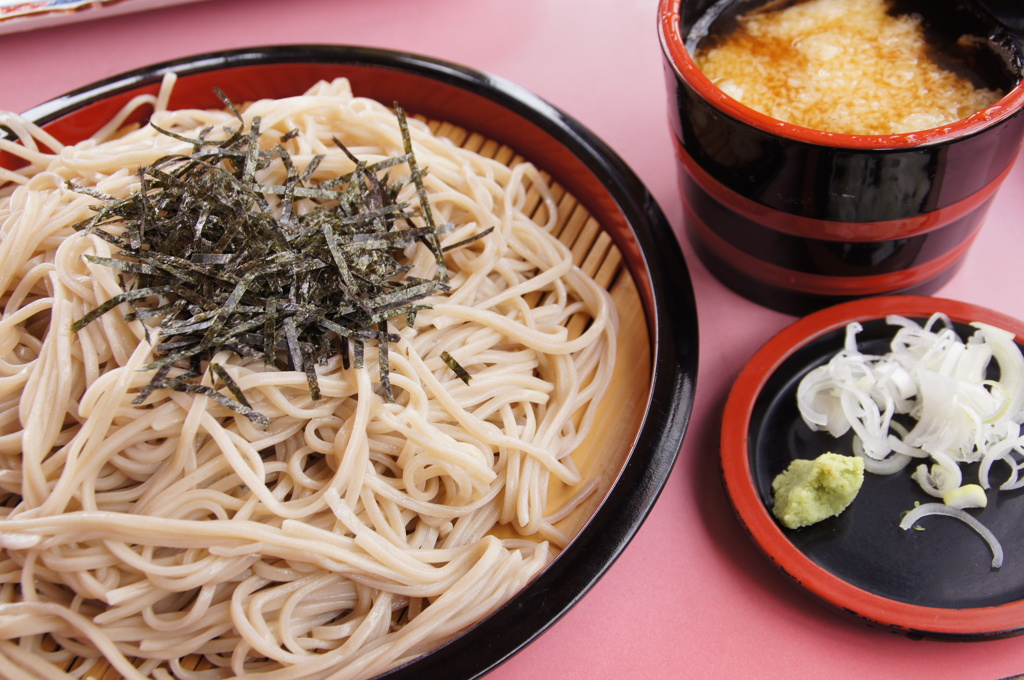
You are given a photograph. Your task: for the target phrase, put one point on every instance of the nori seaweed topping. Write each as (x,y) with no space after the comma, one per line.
(462,373)
(232,263)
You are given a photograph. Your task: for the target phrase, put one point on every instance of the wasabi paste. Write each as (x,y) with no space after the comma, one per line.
(809,491)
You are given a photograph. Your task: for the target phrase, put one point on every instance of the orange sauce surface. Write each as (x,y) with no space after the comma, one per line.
(841,66)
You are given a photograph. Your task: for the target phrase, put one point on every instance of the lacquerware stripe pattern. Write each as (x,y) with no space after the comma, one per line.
(819,284)
(815,228)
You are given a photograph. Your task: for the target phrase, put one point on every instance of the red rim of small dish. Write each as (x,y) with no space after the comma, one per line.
(673,44)
(765,531)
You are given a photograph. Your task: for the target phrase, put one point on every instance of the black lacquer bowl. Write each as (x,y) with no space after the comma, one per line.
(651,285)
(799,219)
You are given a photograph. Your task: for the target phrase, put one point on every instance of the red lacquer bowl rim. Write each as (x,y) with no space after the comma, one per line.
(673,44)
(771,539)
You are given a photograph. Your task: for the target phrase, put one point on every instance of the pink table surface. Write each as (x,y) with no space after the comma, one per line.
(690,597)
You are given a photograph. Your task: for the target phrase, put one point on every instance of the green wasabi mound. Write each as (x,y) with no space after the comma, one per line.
(809,491)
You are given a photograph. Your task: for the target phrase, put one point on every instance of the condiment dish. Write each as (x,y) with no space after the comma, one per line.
(937,583)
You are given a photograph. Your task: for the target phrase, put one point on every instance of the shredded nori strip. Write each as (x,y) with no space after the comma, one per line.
(462,373)
(230,263)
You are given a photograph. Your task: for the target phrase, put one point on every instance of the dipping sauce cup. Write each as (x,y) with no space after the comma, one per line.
(798,219)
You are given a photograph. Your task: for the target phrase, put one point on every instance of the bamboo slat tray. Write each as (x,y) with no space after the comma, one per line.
(621,412)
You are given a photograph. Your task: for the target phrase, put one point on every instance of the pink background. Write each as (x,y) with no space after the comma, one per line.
(690,597)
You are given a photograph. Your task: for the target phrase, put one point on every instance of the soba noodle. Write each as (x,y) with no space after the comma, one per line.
(348,536)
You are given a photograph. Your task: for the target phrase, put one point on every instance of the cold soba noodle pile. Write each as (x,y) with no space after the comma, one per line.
(309,521)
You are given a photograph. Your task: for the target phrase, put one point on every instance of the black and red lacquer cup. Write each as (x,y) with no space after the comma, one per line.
(799,219)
